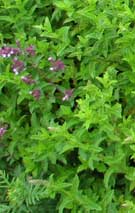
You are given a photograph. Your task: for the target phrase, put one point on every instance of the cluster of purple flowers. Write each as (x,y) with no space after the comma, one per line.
(6,52)
(30,50)
(56,64)
(19,66)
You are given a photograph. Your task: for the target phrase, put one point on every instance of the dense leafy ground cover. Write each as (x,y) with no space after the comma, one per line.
(67,106)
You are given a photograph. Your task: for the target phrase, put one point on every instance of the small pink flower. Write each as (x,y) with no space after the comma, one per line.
(30,50)
(56,65)
(28,79)
(17,66)
(67,94)
(2,131)
(36,94)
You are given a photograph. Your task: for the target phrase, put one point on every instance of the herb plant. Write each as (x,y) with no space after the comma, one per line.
(67,106)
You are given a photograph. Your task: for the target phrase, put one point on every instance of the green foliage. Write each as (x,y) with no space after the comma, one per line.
(67,136)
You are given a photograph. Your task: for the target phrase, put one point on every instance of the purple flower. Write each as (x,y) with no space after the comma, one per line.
(2,131)
(36,94)
(30,50)
(67,94)
(28,79)
(17,66)
(56,65)
(6,52)
(15,51)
